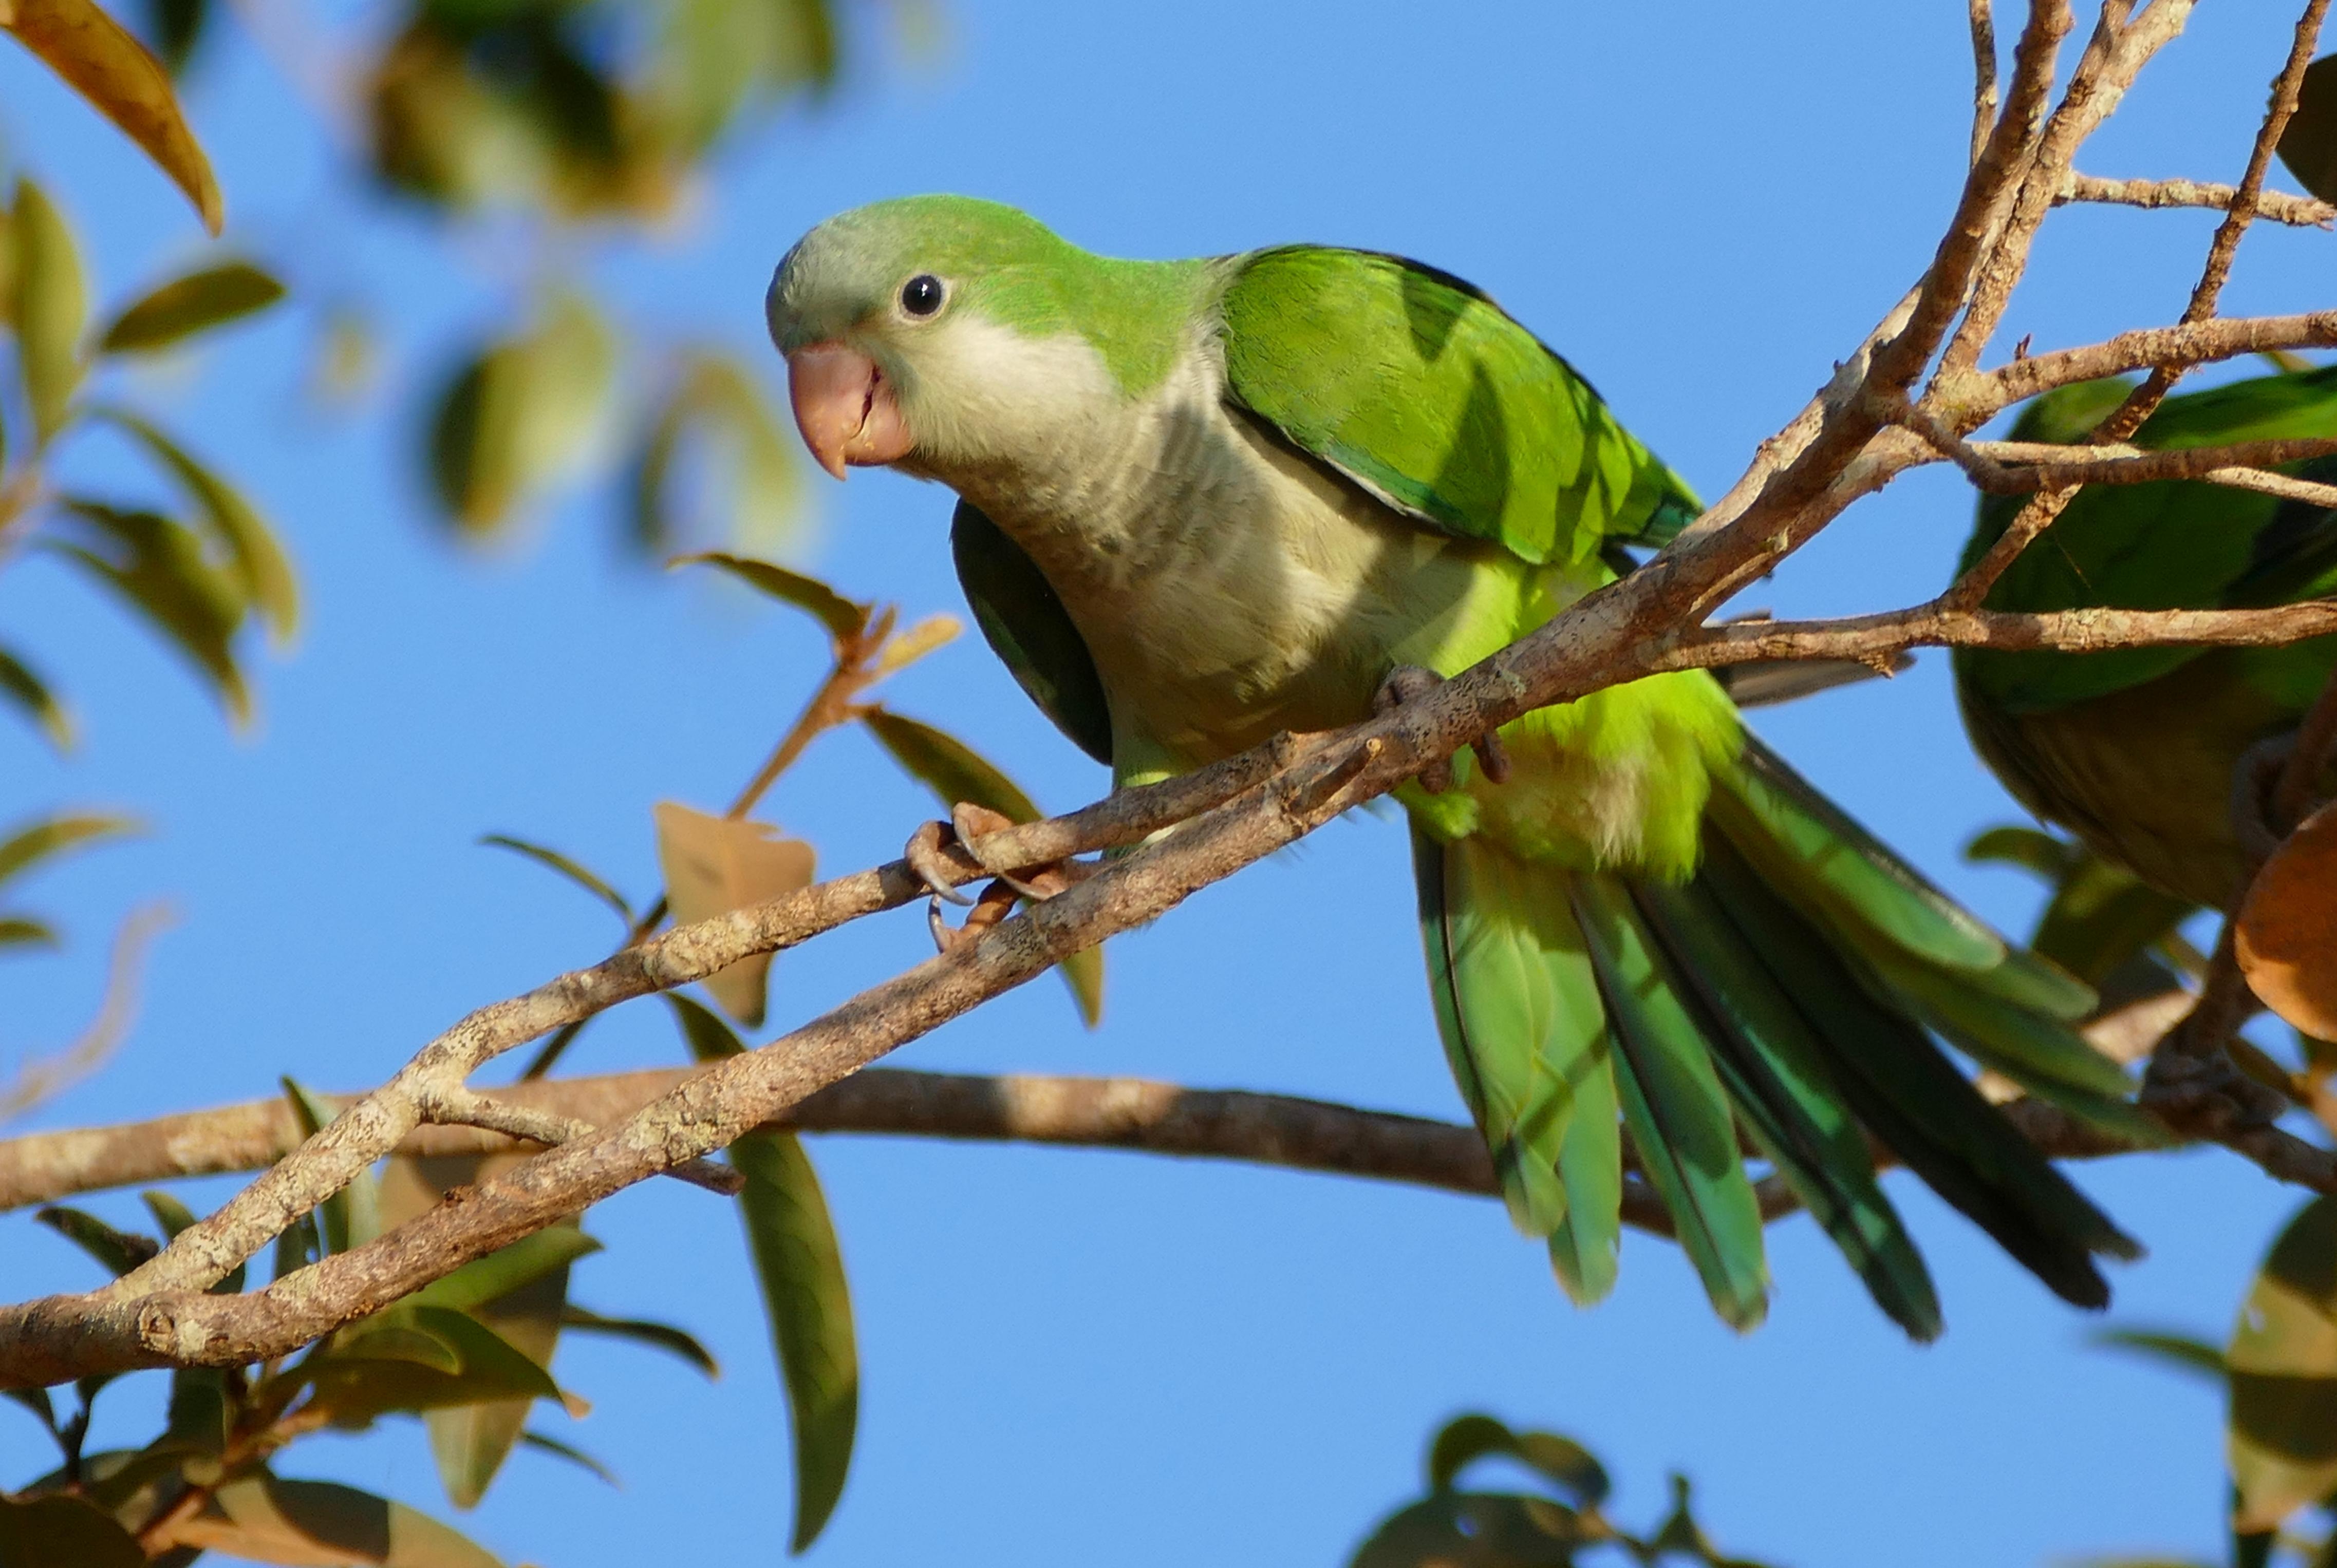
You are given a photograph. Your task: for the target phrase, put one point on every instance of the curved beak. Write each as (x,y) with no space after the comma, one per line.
(845,407)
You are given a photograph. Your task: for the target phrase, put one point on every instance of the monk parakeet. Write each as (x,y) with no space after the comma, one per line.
(1202,502)
(2132,749)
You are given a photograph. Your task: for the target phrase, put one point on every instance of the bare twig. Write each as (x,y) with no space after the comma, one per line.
(1984,94)
(2305,211)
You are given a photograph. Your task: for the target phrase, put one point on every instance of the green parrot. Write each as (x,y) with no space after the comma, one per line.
(1202,502)
(2132,749)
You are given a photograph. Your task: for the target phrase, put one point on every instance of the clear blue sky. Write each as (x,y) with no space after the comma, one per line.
(1071,1356)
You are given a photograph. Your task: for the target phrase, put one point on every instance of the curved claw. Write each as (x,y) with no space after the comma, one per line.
(972,821)
(1407,681)
(937,927)
(923,853)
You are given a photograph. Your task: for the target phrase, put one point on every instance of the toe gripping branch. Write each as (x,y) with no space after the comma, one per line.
(1407,681)
(968,823)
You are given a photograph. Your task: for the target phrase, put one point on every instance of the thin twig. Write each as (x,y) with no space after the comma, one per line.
(1984,96)
(2304,211)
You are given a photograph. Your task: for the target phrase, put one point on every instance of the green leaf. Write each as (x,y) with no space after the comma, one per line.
(47,837)
(60,1532)
(2308,144)
(267,1520)
(52,302)
(801,1269)
(1474,1530)
(575,873)
(1460,1442)
(522,415)
(955,772)
(177,26)
(173,1217)
(23,932)
(119,1251)
(186,306)
(258,565)
(570,1452)
(352,1216)
(842,616)
(159,569)
(644,1331)
(2281,1443)
(383,1363)
(506,1269)
(297,1247)
(709,1037)
(20,685)
(37,1401)
(2183,1352)
(717,411)
(2049,857)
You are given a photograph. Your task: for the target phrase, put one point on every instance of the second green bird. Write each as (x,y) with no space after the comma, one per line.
(1202,502)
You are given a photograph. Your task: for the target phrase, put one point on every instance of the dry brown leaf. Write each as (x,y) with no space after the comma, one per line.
(2286,937)
(716,864)
(114,72)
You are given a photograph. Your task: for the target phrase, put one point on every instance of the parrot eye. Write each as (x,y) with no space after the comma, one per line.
(922,294)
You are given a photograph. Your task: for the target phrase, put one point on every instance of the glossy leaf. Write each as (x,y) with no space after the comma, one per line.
(644,1331)
(194,303)
(955,772)
(507,1269)
(804,1294)
(801,1269)
(842,616)
(159,569)
(61,1532)
(118,1252)
(713,865)
(2287,934)
(22,686)
(352,1216)
(256,561)
(552,860)
(2282,1444)
(2308,144)
(51,302)
(47,837)
(114,72)
(522,415)
(322,1524)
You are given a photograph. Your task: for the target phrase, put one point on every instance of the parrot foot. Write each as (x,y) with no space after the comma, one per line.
(923,853)
(1407,681)
(996,903)
(967,824)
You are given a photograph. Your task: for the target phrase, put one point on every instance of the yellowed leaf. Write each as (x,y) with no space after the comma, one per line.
(2286,938)
(918,641)
(114,72)
(716,864)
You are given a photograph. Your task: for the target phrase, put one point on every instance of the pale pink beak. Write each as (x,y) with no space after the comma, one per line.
(845,407)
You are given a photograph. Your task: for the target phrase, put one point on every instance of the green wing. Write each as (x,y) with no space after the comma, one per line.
(2177,545)
(1030,630)
(1422,391)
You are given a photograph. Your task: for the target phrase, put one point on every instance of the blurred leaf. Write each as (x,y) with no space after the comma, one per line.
(2282,1438)
(717,437)
(2181,1351)
(1460,1442)
(933,631)
(2049,857)
(260,568)
(713,865)
(37,1401)
(386,1363)
(522,415)
(176,27)
(842,616)
(47,837)
(955,772)
(200,1417)
(118,1252)
(113,71)
(51,304)
(59,1532)
(573,1454)
(1563,1461)
(352,1216)
(709,1037)
(1473,1529)
(2309,144)
(189,304)
(2287,928)
(174,1216)
(801,1269)
(321,1525)
(553,859)
(517,1291)
(22,931)
(20,686)
(159,569)
(2101,918)
(296,1248)
(641,1331)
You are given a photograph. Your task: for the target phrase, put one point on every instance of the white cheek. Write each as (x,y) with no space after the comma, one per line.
(981,389)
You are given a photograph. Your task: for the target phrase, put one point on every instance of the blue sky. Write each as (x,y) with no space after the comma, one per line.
(1076,1357)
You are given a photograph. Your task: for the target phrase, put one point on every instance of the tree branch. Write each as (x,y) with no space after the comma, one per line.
(2305,211)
